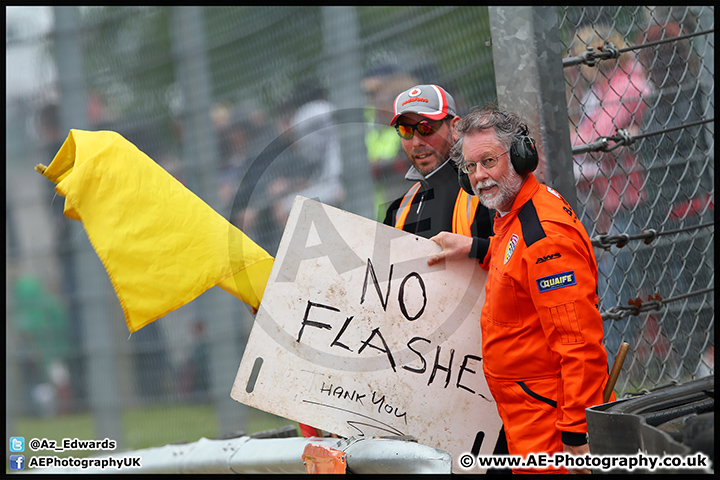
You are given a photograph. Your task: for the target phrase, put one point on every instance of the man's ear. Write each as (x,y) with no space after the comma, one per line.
(453,124)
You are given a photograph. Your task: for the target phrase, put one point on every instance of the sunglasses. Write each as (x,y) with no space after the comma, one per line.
(424,128)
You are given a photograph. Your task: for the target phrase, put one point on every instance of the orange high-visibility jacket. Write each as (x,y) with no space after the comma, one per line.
(463,211)
(540,318)
(436,203)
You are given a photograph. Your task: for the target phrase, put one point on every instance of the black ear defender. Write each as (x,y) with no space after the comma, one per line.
(523,156)
(464,181)
(523,152)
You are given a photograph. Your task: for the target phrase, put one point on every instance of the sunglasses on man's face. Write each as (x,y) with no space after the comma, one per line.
(424,128)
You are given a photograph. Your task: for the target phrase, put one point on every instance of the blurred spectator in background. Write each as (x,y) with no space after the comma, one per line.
(707,363)
(42,326)
(388,163)
(317,143)
(194,375)
(614,100)
(303,159)
(680,155)
(243,133)
(269,161)
(681,158)
(611,184)
(52,139)
(235,154)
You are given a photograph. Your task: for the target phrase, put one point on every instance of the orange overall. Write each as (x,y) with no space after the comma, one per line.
(541,329)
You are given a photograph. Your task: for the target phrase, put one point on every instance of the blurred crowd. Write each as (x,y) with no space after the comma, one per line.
(265,157)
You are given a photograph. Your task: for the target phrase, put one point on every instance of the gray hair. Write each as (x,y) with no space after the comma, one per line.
(507,127)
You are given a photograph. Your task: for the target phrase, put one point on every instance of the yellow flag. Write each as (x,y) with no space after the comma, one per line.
(161,245)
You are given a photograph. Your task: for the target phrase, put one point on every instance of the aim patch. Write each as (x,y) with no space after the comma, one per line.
(559,280)
(510,248)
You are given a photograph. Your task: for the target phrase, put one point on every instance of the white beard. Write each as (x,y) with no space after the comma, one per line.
(509,186)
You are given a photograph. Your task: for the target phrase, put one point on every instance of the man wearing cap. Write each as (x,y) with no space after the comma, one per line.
(425,120)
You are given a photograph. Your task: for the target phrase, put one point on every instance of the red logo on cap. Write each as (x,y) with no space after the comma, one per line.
(410,100)
(414,92)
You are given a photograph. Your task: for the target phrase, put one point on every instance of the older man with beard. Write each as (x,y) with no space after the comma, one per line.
(542,333)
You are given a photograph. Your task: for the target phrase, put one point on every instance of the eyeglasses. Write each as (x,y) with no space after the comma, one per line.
(424,128)
(487,163)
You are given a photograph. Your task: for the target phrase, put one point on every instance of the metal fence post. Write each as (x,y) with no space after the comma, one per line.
(344,71)
(529,76)
(201,162)
(93,284)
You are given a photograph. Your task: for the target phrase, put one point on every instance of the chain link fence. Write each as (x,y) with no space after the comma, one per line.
(210,93)
(640,89)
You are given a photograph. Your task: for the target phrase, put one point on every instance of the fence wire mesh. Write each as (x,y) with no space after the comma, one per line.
(207,92)
(640,88)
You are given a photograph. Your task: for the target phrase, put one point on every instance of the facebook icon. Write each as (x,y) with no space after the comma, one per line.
(17,462)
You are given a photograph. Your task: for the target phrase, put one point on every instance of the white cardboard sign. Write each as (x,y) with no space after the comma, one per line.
(356,335)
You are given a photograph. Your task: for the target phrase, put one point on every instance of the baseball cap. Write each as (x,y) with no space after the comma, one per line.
(430,101)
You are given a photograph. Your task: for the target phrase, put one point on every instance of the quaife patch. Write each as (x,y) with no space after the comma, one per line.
(559,280)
